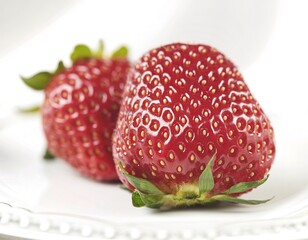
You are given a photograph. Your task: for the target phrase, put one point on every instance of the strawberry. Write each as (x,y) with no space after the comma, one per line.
(80,109)
(189,131)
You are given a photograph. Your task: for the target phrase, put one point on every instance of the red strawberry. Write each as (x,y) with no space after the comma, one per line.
(183,106)
(80,109)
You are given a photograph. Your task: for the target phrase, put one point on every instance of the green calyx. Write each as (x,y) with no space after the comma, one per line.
(48,155)
(82,51)
(40,80)
(147,194)
(121,52)
(29,110)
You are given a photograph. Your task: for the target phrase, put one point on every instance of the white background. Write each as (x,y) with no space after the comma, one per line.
(267,39)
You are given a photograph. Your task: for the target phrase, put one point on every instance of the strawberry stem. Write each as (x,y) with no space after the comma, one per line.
(147,194)
(100,50)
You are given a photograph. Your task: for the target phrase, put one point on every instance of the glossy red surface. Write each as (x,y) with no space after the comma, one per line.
(79,114)
(182,103)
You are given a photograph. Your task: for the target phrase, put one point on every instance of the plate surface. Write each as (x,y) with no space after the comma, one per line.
(39,191)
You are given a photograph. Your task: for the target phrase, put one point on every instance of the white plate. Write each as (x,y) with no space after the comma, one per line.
(50,199)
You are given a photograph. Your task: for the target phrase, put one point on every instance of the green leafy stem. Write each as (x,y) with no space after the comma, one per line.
(147,194)
(40,80)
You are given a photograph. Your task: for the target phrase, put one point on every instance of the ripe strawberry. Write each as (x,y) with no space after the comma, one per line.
(189,131)
(80,109)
